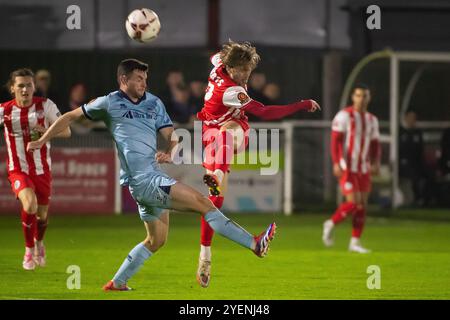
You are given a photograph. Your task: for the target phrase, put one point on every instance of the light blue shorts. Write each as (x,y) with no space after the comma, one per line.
(152,195)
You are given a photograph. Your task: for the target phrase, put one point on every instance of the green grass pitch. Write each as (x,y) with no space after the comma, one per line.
(413,255)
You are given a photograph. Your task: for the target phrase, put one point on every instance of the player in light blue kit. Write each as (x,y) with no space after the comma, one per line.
(134,117)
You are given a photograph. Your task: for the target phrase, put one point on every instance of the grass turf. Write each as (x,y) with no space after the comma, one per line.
(413,256)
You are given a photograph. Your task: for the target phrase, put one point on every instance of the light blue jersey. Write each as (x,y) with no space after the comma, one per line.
(134,127)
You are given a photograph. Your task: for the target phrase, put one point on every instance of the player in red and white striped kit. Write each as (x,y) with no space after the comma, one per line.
(356,153)
(24,119)
(226,128)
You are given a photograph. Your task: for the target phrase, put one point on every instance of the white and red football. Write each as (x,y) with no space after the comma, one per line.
(143,25)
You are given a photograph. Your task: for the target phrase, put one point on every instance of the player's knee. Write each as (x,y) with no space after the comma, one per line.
(205,203)
(29,204)
(155,243)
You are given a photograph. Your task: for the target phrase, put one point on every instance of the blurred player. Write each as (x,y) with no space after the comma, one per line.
(226,128)
(25,118)
(356,153)
(134,117)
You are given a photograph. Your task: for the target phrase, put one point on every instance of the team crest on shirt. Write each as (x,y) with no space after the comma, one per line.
(16,184)
(348,186)
(243,98)
(40,114)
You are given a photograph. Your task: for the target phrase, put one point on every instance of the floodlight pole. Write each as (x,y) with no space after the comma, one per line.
(394,126)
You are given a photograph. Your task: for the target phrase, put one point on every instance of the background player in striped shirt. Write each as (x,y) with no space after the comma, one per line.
(24,119)
(356,153)
(226,127)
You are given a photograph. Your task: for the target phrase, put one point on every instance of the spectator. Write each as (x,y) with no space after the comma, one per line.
(181,110)
(444,161)
(174,79)
(271,93)
(412,168)
(198,89)
(77,97)
(43,80)
(256,85)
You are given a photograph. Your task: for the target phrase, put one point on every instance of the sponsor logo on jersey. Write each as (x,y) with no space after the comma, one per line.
(348,186)
(40,114)
(133,114)
(243,98)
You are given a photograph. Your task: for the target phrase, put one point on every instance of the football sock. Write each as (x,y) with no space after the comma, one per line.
(205,252)
(342,211)
(206,232)
(358,222)
(219,174)
(229,229)
(131,264)
(29,228)
(41,227)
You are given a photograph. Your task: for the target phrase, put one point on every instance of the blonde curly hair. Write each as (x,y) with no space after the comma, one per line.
(237,55)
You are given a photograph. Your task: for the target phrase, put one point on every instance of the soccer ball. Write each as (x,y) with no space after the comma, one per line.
(143,25)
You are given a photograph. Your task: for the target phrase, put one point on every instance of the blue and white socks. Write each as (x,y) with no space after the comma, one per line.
(131,264)
(229,228)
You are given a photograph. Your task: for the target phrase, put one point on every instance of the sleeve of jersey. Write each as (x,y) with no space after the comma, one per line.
(96,109)
(235,97)
(338,128)
(337,142)
(51,110)
(274,112)
(340,122)
(163,120)
(215,59)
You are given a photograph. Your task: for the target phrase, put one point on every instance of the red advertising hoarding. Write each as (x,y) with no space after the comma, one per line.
(83,182)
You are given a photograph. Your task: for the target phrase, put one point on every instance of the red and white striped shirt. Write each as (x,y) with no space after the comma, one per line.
(355,140)
(18,125)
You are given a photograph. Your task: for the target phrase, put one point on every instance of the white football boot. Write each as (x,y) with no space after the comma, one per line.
(355,246)
(327,234)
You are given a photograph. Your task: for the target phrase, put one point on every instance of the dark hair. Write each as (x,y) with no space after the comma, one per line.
(22,72)
(235,54)
(127,66)
(361,86)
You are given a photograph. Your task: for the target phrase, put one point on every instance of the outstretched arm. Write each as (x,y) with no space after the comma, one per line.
(275,112)
(60,125)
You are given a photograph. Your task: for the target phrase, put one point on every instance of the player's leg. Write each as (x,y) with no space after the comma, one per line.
(28,200)
(185,198)
(229,140)
(348,207)
(358,224)
(206,234)
(41,227)
(43,190)
(157,228)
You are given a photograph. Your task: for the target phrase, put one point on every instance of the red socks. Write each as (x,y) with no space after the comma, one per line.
(206,232)
(342,211)
(29,228)
(358,222)
(40,230)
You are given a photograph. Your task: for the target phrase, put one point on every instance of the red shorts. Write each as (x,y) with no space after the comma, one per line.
(355,182)
(41,185)
(209,135)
